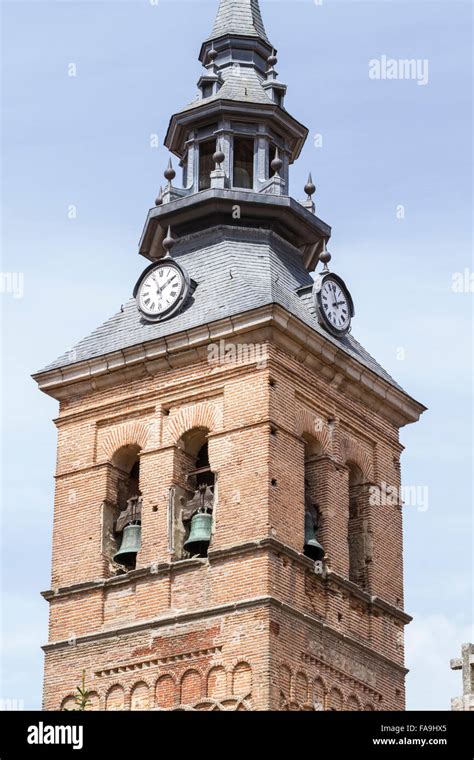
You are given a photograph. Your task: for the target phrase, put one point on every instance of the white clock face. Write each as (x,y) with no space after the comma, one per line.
(335,305)
(160,290)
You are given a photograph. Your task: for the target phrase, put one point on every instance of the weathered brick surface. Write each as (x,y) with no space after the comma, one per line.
(253,626)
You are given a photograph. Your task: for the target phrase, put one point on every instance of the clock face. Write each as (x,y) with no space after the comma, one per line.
(161,290)
(334,303)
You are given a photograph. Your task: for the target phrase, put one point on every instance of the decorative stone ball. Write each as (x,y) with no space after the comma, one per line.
(168,242)
(212,55)
(170,173)
(159,199)
(325,257)
(218,157)
(276,164)
(310,188)
(272,60)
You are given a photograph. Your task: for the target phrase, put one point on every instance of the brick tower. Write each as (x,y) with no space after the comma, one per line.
(220,537)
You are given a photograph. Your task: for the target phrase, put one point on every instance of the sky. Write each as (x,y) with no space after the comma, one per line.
(392,161)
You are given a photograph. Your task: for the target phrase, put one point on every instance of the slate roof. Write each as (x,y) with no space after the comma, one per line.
(243,85)
(241,17)
(236,271)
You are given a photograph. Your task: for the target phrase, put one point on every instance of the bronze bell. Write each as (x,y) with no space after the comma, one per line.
(312,547)
(130,546)
(200,534)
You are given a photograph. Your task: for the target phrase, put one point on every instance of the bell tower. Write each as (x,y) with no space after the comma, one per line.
(223,538)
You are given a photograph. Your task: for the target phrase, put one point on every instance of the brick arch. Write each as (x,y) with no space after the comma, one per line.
(190,686)
(68,702)
(166,691)
(308,423)
(301,687)
(351,451)
(94,703)
(216,683)
(242,678)
(226,705)
(353,703)
(319,690)
(140,696)
(202,416)
(115,698)
(130,433)
(335,699)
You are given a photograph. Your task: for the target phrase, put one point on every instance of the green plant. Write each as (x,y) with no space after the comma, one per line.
(81,697)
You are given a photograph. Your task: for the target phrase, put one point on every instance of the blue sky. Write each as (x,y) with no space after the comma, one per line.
(85,141)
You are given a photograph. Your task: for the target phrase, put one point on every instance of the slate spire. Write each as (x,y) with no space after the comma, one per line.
(242,17)
(238,27)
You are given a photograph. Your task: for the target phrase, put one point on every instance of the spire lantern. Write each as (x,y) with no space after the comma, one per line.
(238,34)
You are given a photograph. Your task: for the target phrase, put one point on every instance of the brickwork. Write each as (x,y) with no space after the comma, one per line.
(252,626)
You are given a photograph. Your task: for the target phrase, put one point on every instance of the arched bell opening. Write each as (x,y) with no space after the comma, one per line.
(356,528)
(123,509)
(192,521)
(312,522)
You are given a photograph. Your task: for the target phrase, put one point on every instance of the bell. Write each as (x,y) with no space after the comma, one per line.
(312,547)
(200,534)
(131,542)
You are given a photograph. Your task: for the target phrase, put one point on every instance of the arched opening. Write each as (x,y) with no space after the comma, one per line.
(312,525)
(243,162)
(207,148)
(123,509)
(193,505)
(356,528)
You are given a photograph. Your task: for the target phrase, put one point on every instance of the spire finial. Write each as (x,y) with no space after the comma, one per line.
(272,59)
(310,187)
(325,257)
(159,198)
(277,163)
(168,242)
(219,155)
(170,173)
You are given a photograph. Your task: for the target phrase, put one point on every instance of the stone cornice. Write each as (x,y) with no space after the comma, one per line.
(217,611)
(207,213)
(203,112)
(297,338)
(218,555)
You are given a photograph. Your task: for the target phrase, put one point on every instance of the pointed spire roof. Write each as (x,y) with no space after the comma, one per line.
(240,17)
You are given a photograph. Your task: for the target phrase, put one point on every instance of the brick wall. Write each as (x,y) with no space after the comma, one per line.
(253,626)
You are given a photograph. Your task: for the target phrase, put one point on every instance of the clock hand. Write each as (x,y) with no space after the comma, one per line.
(162,287)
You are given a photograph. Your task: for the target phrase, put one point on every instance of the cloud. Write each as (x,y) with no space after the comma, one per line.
(431,642)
